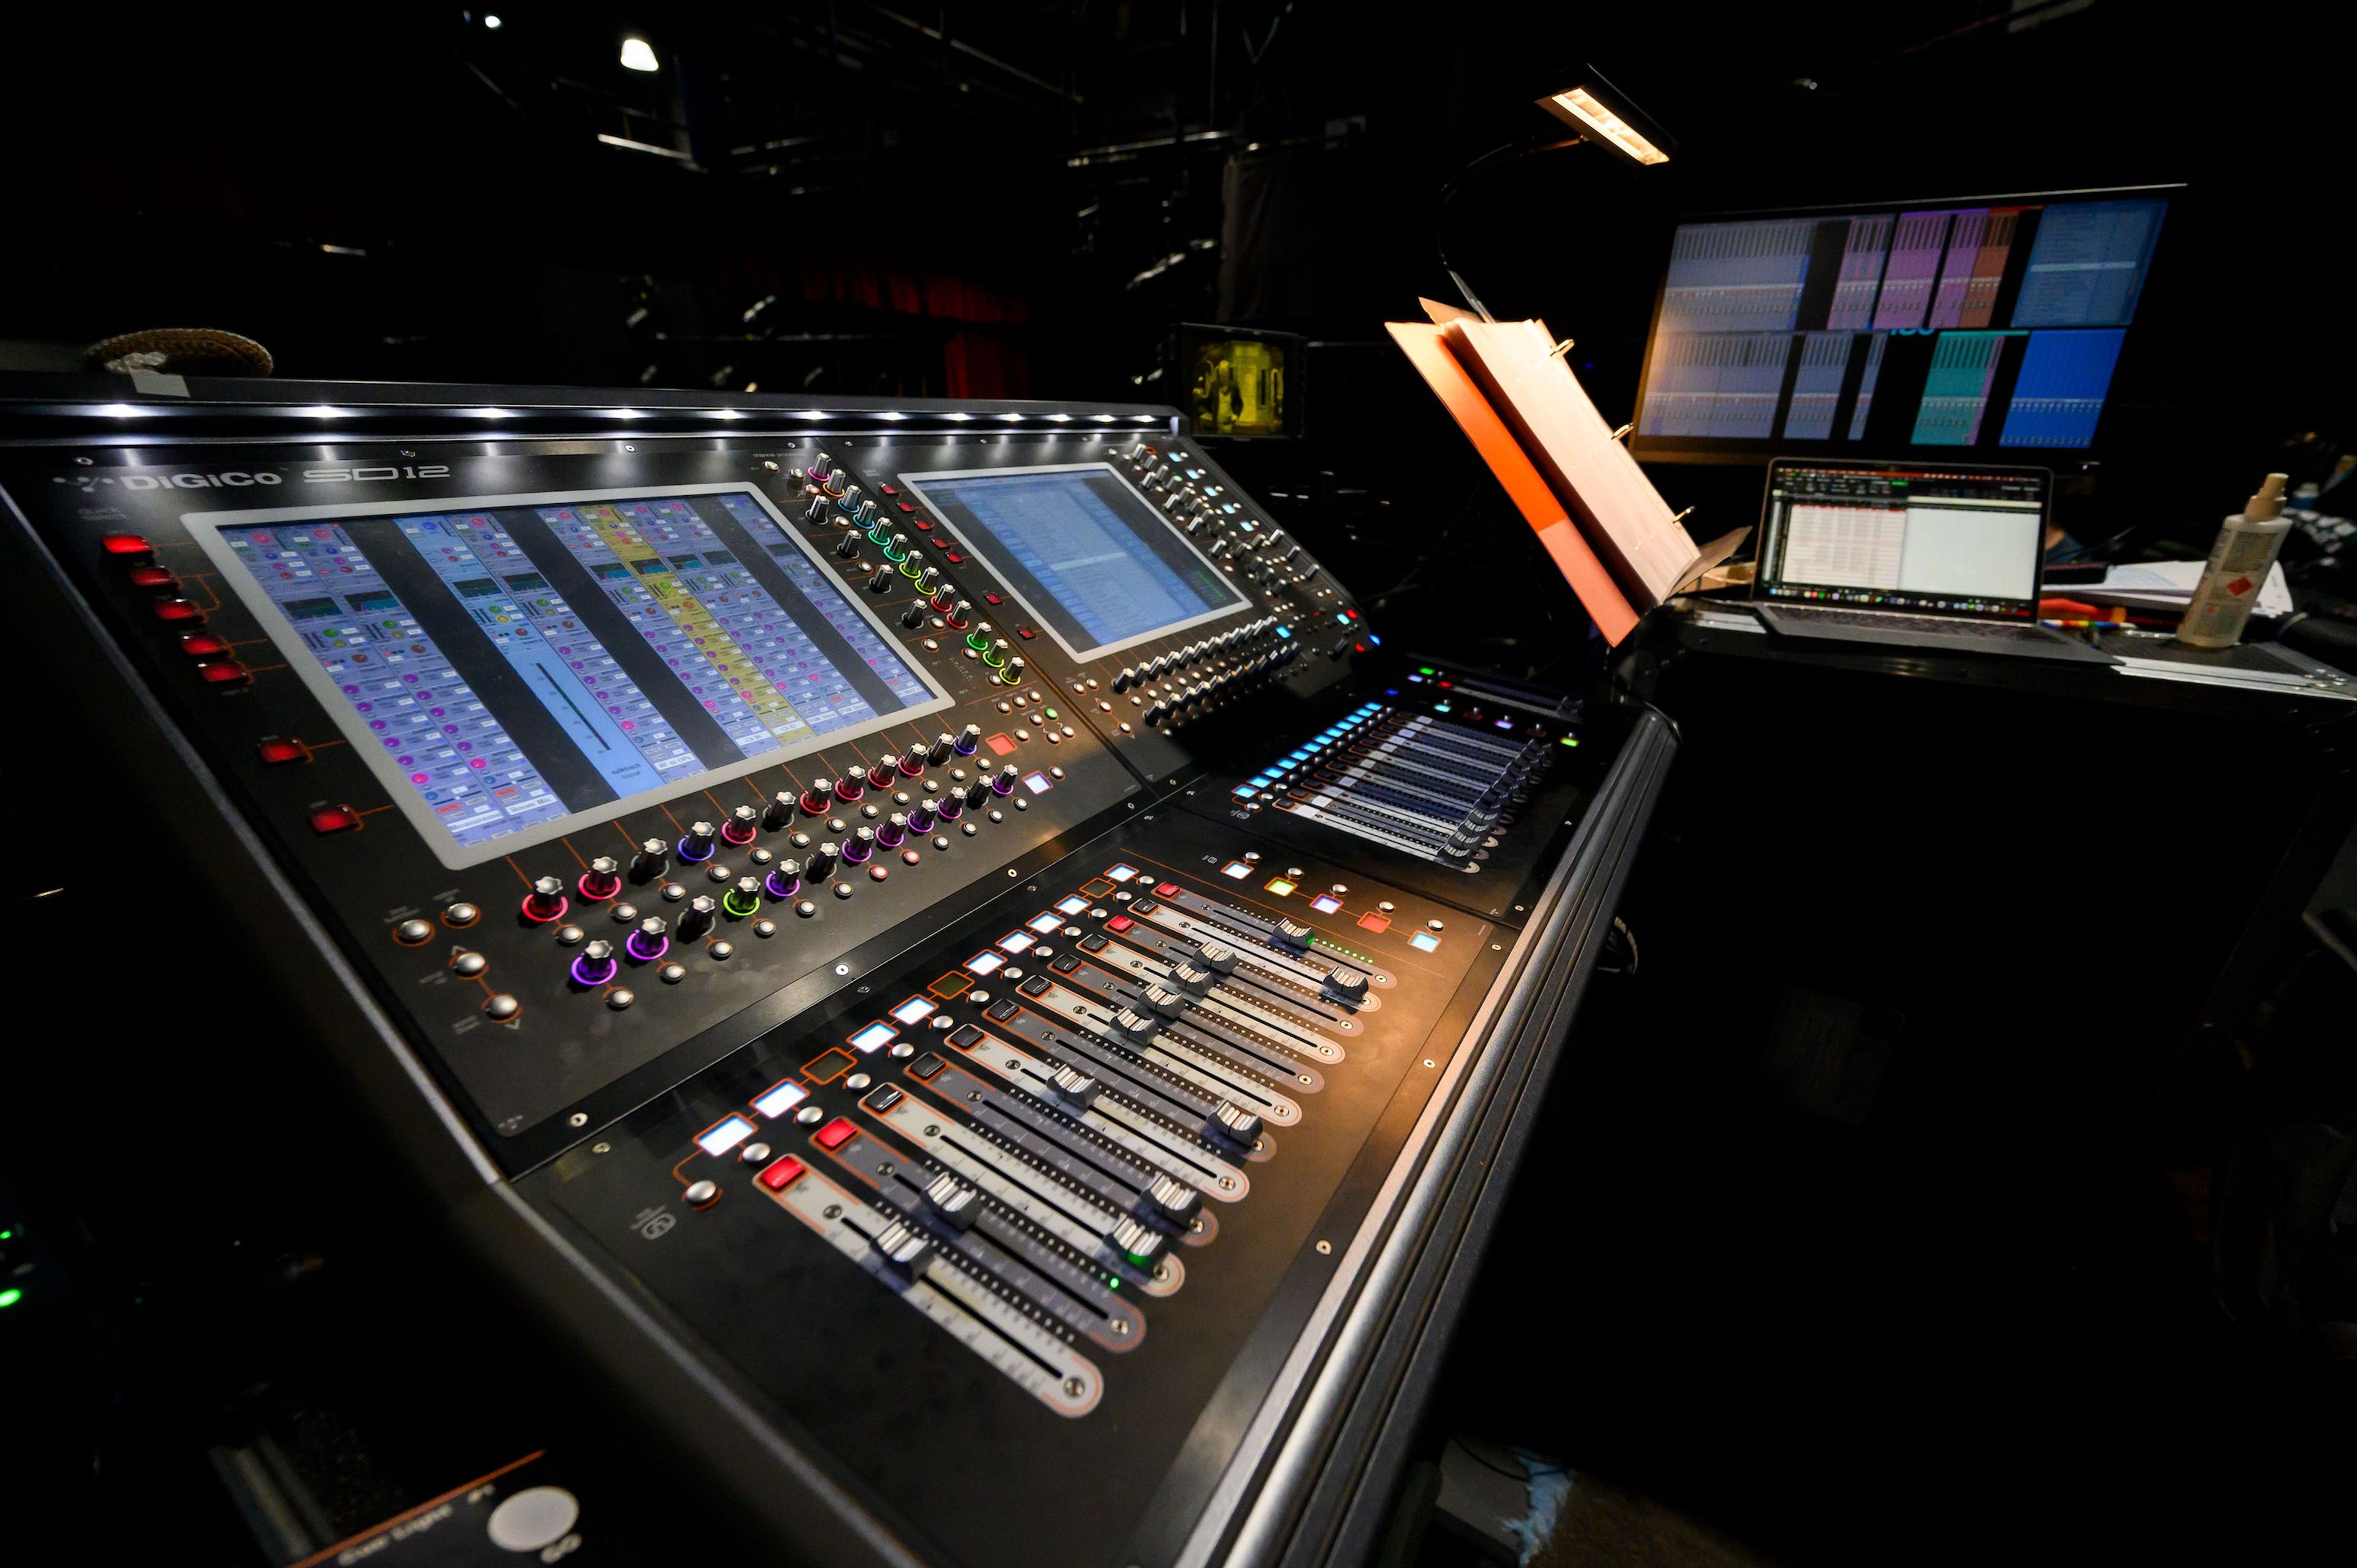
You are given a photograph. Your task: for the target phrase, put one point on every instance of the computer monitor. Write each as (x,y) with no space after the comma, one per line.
(1941,538)
(1989,325)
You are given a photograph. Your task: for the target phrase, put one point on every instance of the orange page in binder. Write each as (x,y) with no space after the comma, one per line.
(1614,616)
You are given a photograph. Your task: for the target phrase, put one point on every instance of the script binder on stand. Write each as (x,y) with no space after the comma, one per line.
(1607,529)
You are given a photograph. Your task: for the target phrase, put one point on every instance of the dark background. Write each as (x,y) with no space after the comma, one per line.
(1016,200)
(1963,1326)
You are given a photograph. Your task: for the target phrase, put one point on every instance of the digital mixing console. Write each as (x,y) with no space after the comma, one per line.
(932,941)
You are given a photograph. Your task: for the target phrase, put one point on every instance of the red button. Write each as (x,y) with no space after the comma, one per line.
(1119,923)
(904,506)
(835,1134)
(1375,922)
(782,1173)
(925,525)
(999,744)
(225,673)
(334,818)
(202,645)
(878,872)
(909,857)
(889,490)
(1165,890)
(274,752)
(179,610)
(155,579)
(954,558)
(127,545)
(1026,633)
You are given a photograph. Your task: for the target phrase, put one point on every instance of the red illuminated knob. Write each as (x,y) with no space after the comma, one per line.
(913,763)
(818,798)
(546,901)
(601,881)
(742,825)
(850,787)
(880,775)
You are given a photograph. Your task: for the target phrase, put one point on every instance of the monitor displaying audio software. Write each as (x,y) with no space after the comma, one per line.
(513,666)
(1995,324)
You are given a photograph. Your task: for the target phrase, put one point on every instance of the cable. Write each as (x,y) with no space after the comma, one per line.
(1513,152)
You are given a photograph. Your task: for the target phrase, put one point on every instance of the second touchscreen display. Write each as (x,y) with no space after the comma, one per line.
(516,665)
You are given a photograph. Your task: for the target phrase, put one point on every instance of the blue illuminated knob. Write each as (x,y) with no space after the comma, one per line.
(969,740)
(696,846)
(595,964)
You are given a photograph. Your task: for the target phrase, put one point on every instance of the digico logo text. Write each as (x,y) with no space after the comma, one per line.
(194,481)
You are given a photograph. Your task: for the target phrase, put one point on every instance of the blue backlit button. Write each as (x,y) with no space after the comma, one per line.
(1424,941)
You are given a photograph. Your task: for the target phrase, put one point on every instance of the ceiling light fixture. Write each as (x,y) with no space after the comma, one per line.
(639,55)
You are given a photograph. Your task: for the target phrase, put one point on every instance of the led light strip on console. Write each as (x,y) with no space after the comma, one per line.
(1419,784)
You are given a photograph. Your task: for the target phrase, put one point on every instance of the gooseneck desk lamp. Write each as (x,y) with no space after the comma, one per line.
(1597,111)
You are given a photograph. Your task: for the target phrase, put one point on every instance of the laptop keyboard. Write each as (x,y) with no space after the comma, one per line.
(1937,626)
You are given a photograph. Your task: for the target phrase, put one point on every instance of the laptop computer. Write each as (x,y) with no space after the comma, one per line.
(1909,554)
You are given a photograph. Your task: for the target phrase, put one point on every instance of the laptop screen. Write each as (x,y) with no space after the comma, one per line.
(1944,538)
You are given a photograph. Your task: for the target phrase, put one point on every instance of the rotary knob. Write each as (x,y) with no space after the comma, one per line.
(859,847)
(912,761)
(818,465)
(952,805)
(896,549)
(1013,675)
(650,940)
(696,845)
(834,482)
(847,547)
(653,856)
(818,798)
(927,577)
(546,900)
(957,615)
(816,513)
(880,579)
(743,900)
(744,824)
(849,788)
(920,818)
(894,833)
(602,880)
(1002,781)
(821,861)
(779,812)
(969,740)
(914,615)
(945,746)
(785,879)
(698,918)
(865,514)
(881,774)
(596,963)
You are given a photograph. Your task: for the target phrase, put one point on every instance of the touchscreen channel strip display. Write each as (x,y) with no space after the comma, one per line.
(1086,554)
(514,666)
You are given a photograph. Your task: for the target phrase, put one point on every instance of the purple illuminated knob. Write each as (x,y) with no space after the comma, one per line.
(785,879)
(894,833)
(859,846)
(920,817)
(696,846)
(742,825)
(1002,781)
(952,804)
(969,740)
(602,880)
(595,964)
(650,942)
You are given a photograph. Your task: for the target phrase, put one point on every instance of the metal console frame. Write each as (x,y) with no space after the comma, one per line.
(1311,1481)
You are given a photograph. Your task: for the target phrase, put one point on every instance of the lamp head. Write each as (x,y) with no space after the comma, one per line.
(1604,114)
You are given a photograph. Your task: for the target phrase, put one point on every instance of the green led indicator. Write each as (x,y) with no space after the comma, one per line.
(10,1297)
(1426,669)
(5,1234)
(1571,740)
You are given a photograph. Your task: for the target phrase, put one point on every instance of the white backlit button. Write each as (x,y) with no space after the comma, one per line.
(621,997)
(409,933)
(673,974)
(535,1518)
(569,936)
(809,1116)
(702,1194)
(500,1008)
(754,1153)
(469,964)
(461,913)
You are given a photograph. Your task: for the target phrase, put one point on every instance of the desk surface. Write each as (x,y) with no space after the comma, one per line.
(2161,674)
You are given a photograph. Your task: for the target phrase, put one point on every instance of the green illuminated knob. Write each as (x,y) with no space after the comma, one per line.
(744,899)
